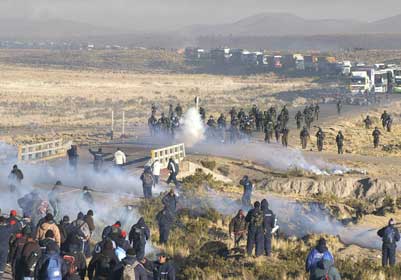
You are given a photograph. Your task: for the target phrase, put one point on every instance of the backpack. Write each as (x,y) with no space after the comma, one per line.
(71,265)
(257,218)
(53,269)
(147,179)
(31,261)
(103,267)
(129,271)
(389,235)
(177,167)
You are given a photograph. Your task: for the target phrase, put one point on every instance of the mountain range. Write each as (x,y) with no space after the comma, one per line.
(264,25)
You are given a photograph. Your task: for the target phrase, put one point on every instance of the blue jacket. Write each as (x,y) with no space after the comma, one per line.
(315,256)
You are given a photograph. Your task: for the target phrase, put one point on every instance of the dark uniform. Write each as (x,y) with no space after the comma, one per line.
(284,138)
(376,137)
(269,132)
(165,221)
(152,124)
(178,110)
(390,236)
(148,182)
(320,139)
(15,178)
(202,113)
(277,131)
(339,106)
(304,135)
(383,118)
(389,123)
(73,156)
(247,194)
(255,221)
(97,159)
(6,231)
(138,236)
(237,227)
(317,111)
(340,142)
(298,119)
(368,122)
(173,168)
(268,224)
(170,202)
(163,271)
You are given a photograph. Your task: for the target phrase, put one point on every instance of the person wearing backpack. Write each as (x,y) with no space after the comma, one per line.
(81,232)
(49,241)
(132,268)
(48,224)
(103,265)
(325,270)
(76,263)
(320,252)
(30,255)
(173,167)
(138,236)
(50,265)
(390,236)
(255,219)
(6,230)
(148,182)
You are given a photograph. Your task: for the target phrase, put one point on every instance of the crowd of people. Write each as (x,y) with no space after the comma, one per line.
(272,122)
(36,246)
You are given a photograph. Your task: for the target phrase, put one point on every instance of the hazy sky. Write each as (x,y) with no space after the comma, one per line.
(154,14)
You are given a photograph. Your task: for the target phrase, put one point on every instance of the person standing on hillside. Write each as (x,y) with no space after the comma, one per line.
(255,221)
(247,194)
(320,139)
(304,135)
(237,228)
(390,236)
(340,142)
(376,137)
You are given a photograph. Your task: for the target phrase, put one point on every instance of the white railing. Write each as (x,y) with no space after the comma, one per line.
(42,151)
(177,152)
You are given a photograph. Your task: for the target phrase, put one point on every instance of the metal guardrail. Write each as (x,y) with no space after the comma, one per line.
(177,152)
(42,151)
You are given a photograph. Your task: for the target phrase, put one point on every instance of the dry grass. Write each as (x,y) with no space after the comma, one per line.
(62,100)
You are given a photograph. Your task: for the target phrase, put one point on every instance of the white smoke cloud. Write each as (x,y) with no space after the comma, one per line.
(192,129)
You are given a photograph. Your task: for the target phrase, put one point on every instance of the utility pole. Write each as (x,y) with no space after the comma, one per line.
(123,130)
(112,125)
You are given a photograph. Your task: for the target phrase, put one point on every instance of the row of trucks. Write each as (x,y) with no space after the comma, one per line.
(377,79)
(243,57)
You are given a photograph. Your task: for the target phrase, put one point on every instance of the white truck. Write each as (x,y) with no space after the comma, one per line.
(381,81)
(397,80)
(361,80)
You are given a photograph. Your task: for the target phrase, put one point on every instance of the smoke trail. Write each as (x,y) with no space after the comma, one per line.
(271,155)
(192,128)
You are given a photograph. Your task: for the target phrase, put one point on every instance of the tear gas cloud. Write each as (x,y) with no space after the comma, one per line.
(193,131)
(192,128)
(111,188)
(300,219)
